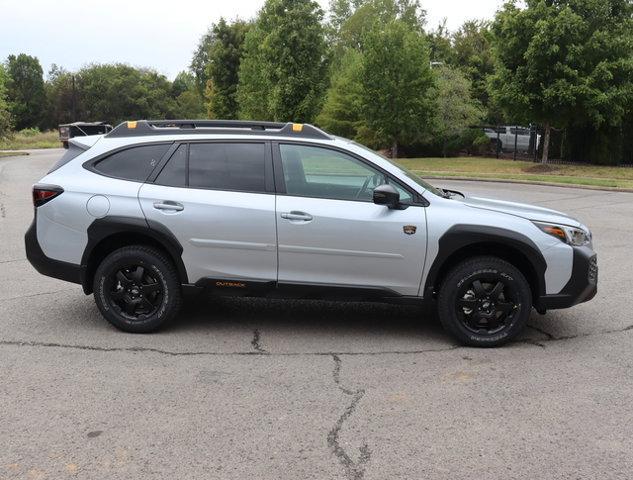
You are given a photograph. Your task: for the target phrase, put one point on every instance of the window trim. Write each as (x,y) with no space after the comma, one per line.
(269,182)
(90,165)
(280,181)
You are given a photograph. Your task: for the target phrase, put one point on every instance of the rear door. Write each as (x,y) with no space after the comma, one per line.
(331,233)
(217,199)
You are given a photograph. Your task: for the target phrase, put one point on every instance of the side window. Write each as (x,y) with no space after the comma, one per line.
(324,173)
(174,173)
(134,163)
(228,166)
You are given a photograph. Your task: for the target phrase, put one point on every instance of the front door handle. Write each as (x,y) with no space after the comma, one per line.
(168,205)
(297,216)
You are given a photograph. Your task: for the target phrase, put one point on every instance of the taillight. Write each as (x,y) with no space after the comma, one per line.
(45,193)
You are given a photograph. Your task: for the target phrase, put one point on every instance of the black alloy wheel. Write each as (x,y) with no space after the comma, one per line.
(134,292)
(486,305)
(137,288)
(484,301)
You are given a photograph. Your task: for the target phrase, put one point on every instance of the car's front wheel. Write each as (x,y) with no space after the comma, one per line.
(136,288)
(484,301)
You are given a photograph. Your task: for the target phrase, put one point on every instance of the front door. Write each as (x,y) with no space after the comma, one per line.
(331,233)
(216,200)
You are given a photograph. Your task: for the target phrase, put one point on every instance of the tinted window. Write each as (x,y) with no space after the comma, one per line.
(174,174)
(228,166)
(135,163)
(325,173)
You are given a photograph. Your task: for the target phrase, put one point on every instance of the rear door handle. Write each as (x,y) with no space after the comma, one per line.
(168,205)
(297,216)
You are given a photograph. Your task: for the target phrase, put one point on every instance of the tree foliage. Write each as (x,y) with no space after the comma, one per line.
(25,90)
(396,78)
(456,110)
(473,54)
(223,68)
(284,64)
(342,110)
(563,61)
(5,115)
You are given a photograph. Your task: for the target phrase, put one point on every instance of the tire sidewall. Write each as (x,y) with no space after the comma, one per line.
(158,268)
(466,273)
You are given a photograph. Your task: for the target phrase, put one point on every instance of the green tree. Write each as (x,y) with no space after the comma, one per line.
(565,61)
(223,68)
(5,115)
(341,113)
(456,110)
(25,90)
(117,92)
(61,97)
(396,78)
(362,15)
(189,102)
(200,60)
(440,46)
(284,64)
(473,54)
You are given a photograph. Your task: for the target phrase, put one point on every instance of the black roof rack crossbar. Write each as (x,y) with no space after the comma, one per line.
(141,128)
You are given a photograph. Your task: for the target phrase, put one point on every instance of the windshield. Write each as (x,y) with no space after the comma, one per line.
(423,183)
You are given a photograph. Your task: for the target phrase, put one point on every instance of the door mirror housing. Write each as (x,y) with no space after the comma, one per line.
(386,195)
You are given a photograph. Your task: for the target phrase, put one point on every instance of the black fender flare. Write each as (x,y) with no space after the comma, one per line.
(460,237)
(103,228)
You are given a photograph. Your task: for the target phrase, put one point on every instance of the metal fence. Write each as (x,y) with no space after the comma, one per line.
(525,143)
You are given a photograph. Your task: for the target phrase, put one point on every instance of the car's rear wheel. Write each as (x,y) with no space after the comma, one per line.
(484,301)
(137,289)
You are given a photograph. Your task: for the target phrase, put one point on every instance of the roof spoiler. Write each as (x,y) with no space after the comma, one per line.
(140,128)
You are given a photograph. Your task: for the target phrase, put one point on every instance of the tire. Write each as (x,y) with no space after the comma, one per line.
(137,289)
(484,302)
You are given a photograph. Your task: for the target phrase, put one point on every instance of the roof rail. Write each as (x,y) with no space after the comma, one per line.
(141,128)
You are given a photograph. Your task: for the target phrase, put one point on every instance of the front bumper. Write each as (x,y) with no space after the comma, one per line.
(582,286)
(49,266)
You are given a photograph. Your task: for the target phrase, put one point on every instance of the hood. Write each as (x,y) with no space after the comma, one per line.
(524,210)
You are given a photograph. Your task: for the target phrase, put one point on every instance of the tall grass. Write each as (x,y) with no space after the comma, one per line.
(30,138)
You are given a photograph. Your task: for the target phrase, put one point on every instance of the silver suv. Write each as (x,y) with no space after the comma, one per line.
(155,210)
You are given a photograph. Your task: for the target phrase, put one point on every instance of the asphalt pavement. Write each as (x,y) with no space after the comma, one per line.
(240,388)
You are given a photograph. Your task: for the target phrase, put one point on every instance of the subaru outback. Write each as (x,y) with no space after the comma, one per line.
(154,211)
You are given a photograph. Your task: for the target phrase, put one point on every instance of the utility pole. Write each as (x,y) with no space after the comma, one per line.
(74,99)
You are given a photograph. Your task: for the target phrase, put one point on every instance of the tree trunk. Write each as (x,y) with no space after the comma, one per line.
(394,149)
(546,135)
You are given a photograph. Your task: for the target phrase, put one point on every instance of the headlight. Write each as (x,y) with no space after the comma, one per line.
(571,235)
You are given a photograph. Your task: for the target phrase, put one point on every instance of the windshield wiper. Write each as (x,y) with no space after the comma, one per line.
(451,193)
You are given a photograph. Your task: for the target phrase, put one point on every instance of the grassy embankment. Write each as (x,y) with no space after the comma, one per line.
(492,168)
(28,139)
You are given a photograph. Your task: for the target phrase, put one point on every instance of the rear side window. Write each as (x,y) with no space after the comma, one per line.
(134,163)
(228,166)
(174,173)
(72,152)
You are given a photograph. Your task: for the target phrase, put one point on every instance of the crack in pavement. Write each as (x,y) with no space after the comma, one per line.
(26,343)
(14,260)
(35,295)
(262,352)
(256,342)
(354,470)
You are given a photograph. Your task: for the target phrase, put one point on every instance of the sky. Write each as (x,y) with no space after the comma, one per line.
(149,33)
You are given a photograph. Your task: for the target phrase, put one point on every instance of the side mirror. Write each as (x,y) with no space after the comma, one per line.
(386,195)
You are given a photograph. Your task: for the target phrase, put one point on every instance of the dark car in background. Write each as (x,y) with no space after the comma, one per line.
(81,129)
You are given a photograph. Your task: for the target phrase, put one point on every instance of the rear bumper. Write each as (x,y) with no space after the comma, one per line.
(582,286)
(48,266)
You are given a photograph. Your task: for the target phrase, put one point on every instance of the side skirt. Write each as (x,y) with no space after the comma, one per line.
(233,287)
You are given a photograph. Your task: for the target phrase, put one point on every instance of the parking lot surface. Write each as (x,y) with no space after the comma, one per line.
(240,388)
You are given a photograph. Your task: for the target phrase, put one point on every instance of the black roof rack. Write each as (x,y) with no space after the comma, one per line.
(141,128)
